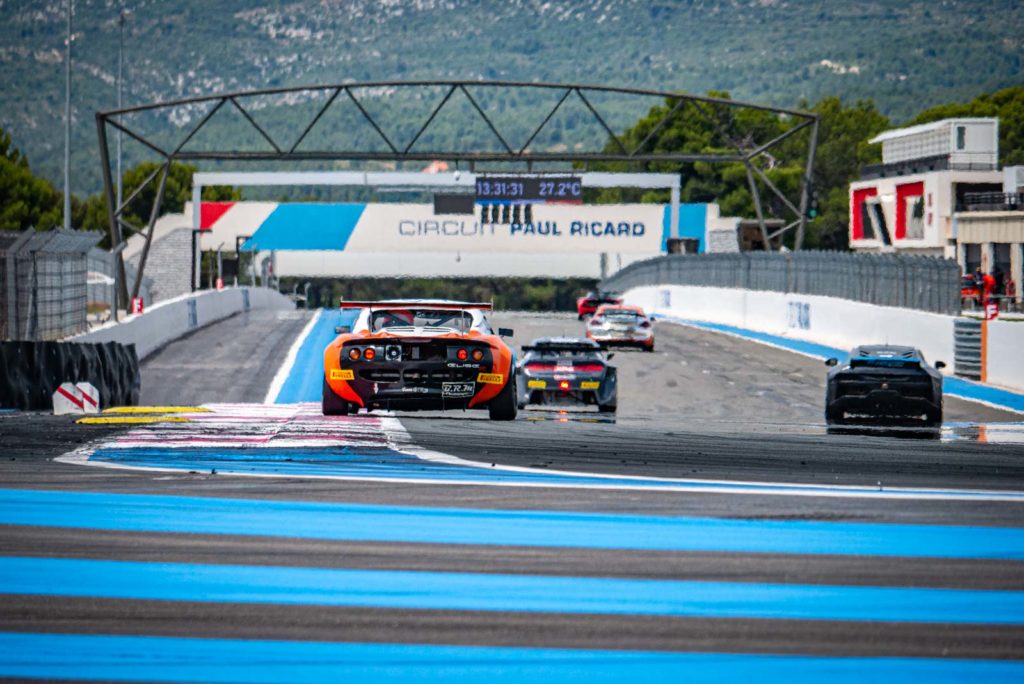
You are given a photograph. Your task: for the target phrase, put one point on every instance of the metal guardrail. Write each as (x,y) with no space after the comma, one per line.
(910,282)
(967,347)
(43,276)
(992,201)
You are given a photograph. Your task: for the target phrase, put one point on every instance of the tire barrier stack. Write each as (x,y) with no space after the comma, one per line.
(30,372)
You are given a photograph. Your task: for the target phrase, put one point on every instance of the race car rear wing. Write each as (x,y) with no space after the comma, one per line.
(884,362)
(415,304)
(562,346)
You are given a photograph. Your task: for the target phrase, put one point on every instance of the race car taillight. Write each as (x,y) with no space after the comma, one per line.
(478,354)
(564,385)
(369,354)
(588,368)
(354,353)
(541,367)
(462,355)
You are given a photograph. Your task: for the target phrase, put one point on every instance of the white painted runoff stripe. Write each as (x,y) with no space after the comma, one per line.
(289,361)
(390,455)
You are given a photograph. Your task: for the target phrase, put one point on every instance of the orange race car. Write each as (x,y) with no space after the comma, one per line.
(414,355)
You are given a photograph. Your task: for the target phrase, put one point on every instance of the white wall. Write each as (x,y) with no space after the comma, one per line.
(830,321)
(174,318)
(1004,355)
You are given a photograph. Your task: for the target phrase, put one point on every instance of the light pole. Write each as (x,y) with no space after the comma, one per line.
(122,16)
(67,119)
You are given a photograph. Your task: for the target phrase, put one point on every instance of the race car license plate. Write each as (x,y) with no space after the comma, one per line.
(536,384)
(589,384)
(457,390)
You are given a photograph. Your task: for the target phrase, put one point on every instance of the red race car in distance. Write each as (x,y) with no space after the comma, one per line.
(588,303)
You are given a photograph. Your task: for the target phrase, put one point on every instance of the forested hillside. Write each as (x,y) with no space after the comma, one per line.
(905,56)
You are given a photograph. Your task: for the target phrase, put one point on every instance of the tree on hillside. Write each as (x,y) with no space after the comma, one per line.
(26,201)
(1007,104)
(842,150)
(92,214)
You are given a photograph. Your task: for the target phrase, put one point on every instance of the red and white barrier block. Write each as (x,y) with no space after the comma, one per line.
(71,398)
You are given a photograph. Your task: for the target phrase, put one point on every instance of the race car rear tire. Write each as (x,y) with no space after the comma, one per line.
(607,408)
(333,405)
(505,405)
(649,349)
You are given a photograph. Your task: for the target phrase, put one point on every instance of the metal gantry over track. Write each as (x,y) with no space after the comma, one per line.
(389,147)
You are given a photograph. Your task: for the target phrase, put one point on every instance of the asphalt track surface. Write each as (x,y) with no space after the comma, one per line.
(202,576)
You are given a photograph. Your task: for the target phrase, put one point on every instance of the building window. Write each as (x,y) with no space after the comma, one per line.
(1002,267)
(961,137)
(972,258)
(865,221)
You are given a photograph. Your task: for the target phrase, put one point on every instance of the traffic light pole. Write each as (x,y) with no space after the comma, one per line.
(805,191)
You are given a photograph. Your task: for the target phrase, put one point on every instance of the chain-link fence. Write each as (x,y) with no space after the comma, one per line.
(43,276)
(102,283)
(910,282)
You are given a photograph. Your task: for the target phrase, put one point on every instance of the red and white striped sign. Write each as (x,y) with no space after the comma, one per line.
(73,398)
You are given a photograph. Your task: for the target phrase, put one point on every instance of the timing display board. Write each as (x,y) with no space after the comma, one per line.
(528,189)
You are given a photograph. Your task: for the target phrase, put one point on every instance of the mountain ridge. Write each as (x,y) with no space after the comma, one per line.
(905,56)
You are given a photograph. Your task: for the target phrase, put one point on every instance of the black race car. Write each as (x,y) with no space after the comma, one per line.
(884,384)
(564,371)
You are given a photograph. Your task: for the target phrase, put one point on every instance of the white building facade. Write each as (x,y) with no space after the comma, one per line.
(909,201)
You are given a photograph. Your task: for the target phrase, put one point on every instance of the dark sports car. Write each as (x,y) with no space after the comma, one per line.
(565,371)
(885,384)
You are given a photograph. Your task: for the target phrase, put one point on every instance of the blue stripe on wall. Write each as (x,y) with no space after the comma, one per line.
(401,589)
(140,658)
(693,223)
(307,226)
(305,382)
(361,522)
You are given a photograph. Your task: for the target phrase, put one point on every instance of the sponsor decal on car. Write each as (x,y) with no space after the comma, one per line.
(589,384)
(536,384)
(457,390)
(491,378)
(342,374)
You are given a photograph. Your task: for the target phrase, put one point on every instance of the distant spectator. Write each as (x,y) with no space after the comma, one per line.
(988,286)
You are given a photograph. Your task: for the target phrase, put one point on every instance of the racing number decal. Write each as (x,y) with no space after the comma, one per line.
(342,374)
(491,378)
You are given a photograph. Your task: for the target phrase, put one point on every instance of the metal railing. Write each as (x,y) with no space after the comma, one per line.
(910,282)
(992,201)
(43,276)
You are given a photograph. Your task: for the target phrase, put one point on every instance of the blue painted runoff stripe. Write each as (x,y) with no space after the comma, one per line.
(952,386)
(364,522)
(414,590)
(145,658)
(305,382)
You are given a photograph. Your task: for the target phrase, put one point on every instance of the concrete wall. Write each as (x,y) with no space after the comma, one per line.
(169,264)
(824,320)
(174,318)
(1004,354)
